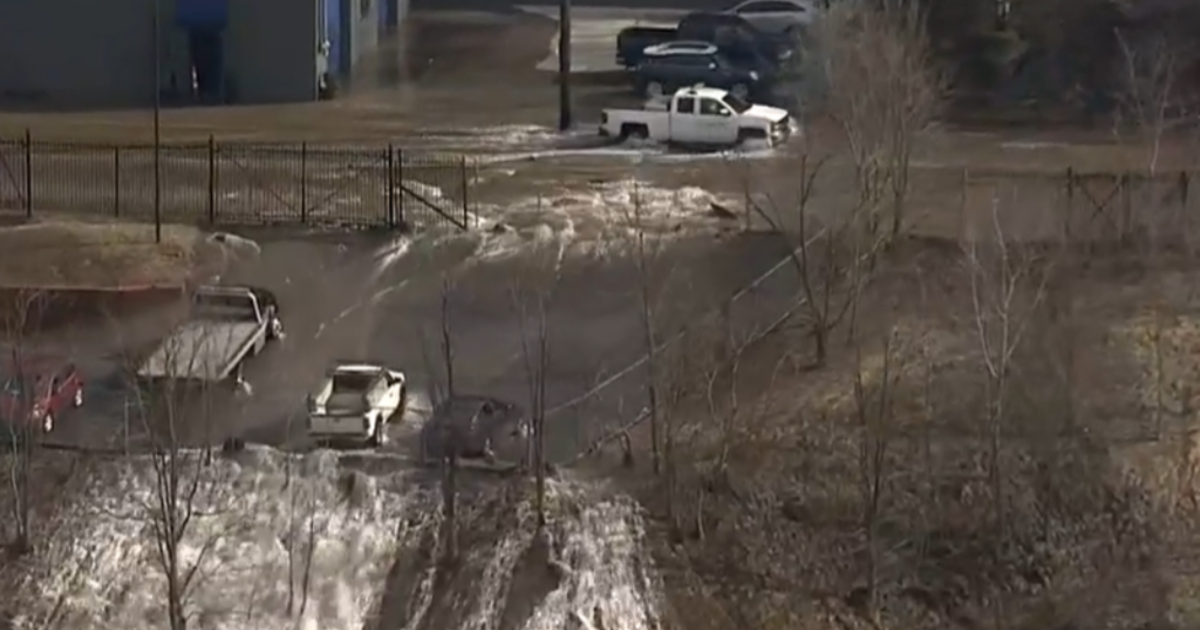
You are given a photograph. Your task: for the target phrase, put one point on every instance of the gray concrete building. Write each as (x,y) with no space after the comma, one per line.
(84,53)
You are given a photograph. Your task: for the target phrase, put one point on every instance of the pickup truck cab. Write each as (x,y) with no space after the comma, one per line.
(227,325)
(699,116)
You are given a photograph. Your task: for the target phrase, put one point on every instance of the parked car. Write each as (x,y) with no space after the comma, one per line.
(472,427)
(699,116)
(37,389)
(662,74)
(737,37)
(776,16)
(355,401)
(734,36)
(227,326)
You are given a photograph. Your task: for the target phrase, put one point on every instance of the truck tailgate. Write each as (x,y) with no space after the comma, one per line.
(337,425)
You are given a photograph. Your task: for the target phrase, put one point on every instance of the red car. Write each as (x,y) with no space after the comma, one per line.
(54,384)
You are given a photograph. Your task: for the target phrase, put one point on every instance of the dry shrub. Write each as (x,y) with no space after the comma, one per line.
(777,538)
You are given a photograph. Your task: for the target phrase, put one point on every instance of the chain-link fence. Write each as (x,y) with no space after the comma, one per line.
(225,183)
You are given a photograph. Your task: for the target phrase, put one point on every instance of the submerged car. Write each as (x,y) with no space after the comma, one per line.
(37,389)
(472,427)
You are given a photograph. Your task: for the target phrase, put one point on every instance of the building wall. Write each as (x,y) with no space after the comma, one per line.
(364,29)
(81,52)
(271,50)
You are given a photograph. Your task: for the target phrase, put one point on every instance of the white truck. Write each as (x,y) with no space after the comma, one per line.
(354,402)
(699,116)
(226,326)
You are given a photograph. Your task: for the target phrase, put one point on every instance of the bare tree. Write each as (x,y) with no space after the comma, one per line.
(1007,288)
(175,413)
(873,405)
(535,348)
(832,254)
(651,279)
(883,92)
(19,318)
(1148,72)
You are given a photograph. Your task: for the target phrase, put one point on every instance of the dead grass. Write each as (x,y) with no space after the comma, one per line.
(1098,507)
(70,253)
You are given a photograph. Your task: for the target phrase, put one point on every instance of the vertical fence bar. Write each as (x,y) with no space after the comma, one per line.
(117,181)
(391,187)
(399,186)
(304,183)
(212,180)
(466,185)
(28,173)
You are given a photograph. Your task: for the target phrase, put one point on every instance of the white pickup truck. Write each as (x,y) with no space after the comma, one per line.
(699,116)
(355,401)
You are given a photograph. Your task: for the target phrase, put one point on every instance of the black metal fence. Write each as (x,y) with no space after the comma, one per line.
(234,183)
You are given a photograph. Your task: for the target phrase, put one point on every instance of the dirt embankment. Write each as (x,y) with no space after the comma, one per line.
(59,272)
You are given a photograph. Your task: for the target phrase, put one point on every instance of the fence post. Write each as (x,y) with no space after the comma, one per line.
(304,183)
(28,173)
(466,185)
(391,186)
(117,181)
(1070,213)
(212,180)
(399,186)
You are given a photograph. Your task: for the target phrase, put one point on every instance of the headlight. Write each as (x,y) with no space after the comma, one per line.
(753,75)
(38,413)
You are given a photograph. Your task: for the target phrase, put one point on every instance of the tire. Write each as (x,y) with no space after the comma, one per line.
(747,133)
(77,402)
(740,90)
(654,89)
(379,435)
(638,132)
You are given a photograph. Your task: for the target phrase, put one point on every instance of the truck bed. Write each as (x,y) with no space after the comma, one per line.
(201,350)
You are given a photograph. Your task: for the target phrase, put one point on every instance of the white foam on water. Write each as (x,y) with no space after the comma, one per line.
(598,220)
(258,517)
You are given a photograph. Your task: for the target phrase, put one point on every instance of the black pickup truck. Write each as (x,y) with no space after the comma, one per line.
(739,40)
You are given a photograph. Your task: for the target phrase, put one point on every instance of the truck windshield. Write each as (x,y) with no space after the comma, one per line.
(738,105)
(224,307)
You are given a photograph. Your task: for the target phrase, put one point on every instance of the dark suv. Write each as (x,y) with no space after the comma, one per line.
(663,74)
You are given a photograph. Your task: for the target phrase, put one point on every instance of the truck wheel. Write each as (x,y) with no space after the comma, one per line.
(749,133)
(654,89)
(740,90)
(639,132)
(379,435)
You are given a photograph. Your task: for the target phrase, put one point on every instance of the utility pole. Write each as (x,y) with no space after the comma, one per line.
(157,126)
(564,65)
